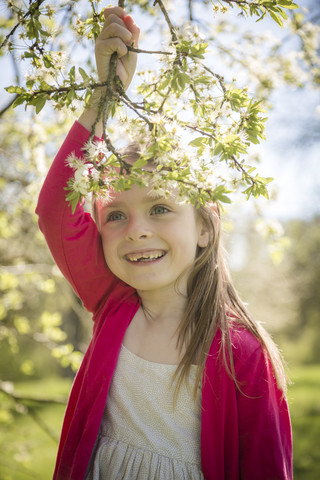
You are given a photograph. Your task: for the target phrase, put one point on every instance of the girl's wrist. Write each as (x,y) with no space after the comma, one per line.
(89,115)
(88,118)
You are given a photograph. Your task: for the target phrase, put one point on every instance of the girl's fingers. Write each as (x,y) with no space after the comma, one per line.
(133,28)
(116,31)
(112,18)
(114,10)
(108,46)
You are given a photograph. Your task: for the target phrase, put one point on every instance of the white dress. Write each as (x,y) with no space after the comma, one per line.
(142,436)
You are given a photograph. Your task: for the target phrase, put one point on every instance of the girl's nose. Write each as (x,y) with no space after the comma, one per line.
(138,230)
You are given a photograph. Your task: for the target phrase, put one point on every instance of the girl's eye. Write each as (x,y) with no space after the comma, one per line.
(115,217)
(159,210)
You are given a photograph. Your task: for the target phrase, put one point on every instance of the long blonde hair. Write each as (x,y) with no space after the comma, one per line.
(212,304)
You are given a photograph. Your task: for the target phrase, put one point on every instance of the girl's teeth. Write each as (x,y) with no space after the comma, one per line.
(145,257)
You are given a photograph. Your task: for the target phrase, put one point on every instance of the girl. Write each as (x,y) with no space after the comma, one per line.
(178,382)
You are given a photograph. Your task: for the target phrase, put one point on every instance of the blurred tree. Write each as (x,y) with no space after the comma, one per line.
(305,270)
(42,325)
(286,296)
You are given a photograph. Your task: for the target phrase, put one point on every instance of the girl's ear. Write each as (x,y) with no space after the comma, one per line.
(203,238)
(204,233)
(214,211)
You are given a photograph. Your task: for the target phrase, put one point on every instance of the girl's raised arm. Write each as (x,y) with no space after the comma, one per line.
(73,239)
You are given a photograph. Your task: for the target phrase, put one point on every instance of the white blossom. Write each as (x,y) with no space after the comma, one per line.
(95,174)
(74,162)
(243,136)
(81,185)
(190,32)
(94,149)
(156,191)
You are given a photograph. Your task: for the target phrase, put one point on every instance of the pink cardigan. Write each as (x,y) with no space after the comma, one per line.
(243,436)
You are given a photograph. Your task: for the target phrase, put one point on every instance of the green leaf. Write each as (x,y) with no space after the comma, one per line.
(40,103)
(165,83)
(72,74)
(181,81)
(283,14)
(83,74)
(15,89)
(276,18)
(264,180)
(141,162)
(18,101)
(218,148)
(206,79)
(30,84)
(70,96)
(29,55)
(73,198)
(48,61)
(248,192)
(197,142)
(230,138)
(219,194)
(287,4)
(87,96)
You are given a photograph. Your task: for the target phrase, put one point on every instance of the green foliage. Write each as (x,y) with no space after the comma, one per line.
(31,416)
(305,269)
(261,8)
(304,405)
(229,120)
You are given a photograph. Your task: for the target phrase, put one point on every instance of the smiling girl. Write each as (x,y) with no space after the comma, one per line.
(178,382)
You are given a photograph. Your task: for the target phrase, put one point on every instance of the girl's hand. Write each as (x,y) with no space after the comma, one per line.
(119,30)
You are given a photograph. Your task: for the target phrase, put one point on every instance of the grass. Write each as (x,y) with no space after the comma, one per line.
(28,452)
(304,401)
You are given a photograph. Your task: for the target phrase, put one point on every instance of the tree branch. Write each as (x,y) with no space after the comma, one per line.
(126,100)
(167,18)
(6,107)
(26,403)
(154,52)
(27,399)
(34,6)
(238,165)
(190,10)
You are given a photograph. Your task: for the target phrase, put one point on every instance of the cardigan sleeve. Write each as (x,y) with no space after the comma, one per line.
(265,437)
(73,239)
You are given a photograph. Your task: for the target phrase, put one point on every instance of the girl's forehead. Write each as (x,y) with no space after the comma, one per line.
(144,196)
(137,194)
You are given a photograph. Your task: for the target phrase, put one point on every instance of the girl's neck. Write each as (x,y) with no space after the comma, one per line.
(162,306)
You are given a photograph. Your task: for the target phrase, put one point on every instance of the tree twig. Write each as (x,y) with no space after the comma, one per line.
(27,399)
(6,107)
(34,6)
(167,18)
(126,100)
(152,52)
(26,403)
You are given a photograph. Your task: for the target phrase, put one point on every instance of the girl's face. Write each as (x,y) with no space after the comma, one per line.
(149,243)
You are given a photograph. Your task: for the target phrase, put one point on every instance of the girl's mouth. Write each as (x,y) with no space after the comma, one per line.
(144,257)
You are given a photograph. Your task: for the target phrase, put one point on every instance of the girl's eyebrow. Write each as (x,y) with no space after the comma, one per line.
(146,199)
